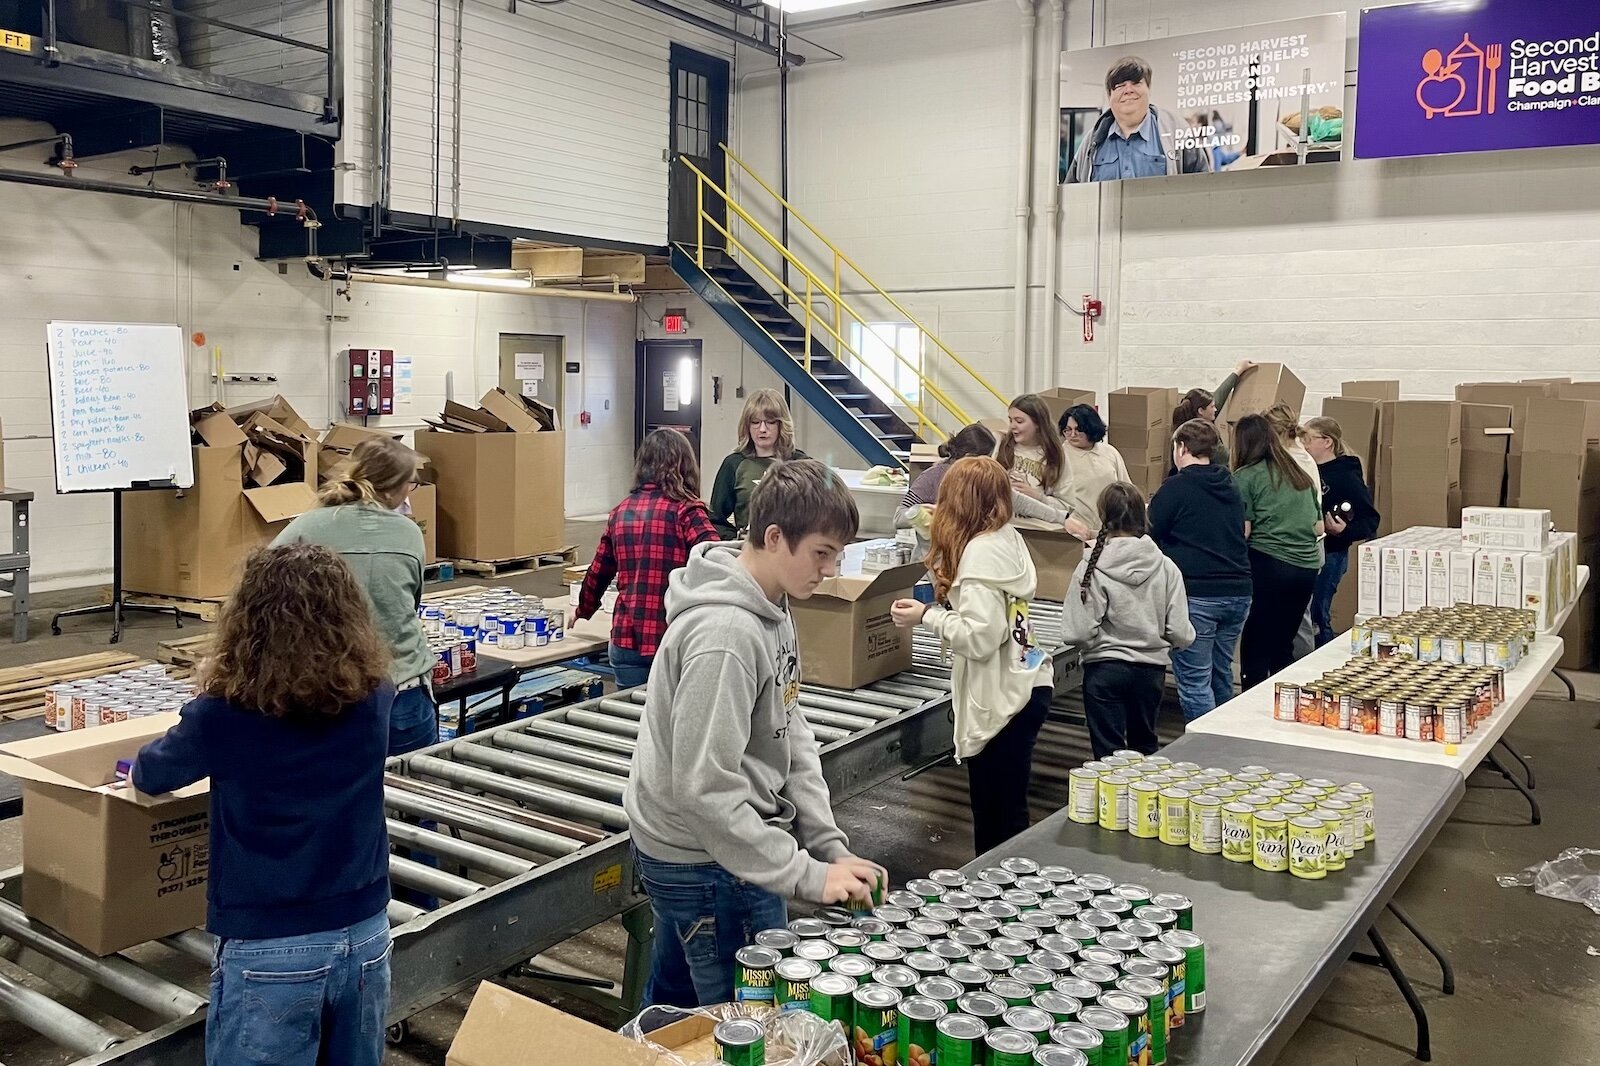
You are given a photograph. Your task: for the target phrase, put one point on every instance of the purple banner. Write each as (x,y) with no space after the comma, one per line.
(1439,78)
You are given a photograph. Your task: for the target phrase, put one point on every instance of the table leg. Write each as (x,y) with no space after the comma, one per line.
(1386,959)
(1448,973)
(1572,693)
(1517,755)
(1505,771)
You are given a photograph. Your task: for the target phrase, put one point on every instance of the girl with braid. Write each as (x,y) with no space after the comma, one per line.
(1126,611)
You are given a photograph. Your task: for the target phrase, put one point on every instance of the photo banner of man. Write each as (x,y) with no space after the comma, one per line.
(1443,78)
(1266,95)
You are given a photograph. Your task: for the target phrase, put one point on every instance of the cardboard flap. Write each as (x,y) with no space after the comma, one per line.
(856,586)
(473,417)
(344,437)
(522,414)
(85,760)
(503,1028)
(1036,527)
(279,410)
(218,430)
(279,503)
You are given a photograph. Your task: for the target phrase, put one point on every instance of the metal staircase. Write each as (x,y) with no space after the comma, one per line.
(810,334)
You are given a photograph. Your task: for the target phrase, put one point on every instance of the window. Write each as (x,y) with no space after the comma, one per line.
(691,129)
(878,342)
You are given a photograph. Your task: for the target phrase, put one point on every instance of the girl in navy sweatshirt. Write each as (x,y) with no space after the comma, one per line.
(292,727)
(1347,514)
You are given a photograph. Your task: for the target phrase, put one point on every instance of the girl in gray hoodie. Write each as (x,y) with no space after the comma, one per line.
(1126,615)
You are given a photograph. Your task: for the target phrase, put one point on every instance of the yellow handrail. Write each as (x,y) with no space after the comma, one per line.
(840,257)
(822,289)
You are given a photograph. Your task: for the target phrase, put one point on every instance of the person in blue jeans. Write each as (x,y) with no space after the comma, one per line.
(1348,515)
(728,808)
(1197,519)
(292,727)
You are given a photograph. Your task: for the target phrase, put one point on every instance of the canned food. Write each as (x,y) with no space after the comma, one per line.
(1058,1005)
(1039,977)
(793,983)
(1113,810)
(975,891)
(1021,931)
(1270,840)
(1113,1027)
(952,950)
(1056,962)
(1163,918)
(1010,947)
(959,1040)
(928,927)
(1009,1047)
(818,951)
(993,961)
(983,1005)
(918,1029)
(1015,993)
(877,1024)
(1058,943)
(1095,973)
(1237,824)
(1153,1024)
(896,976)
(1101,955)
(741,1042)
(753,978)
(1205,825)
(884,951)
(1176,962)
(946,912)
(896,916)
(940,989)
(1368,812)
(848,941)
(1333,838)
(1348,827)
(1041,920)
(1194,984)
(981,923)
(1096,883)
(909,900)
(1084,1039)
(1178,904)
(874,929)
(856,966)
(1285,701)
(926,963)
(969,975)
(1174,827)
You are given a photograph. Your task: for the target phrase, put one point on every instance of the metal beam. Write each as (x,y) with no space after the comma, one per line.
(97,132)
(717,28)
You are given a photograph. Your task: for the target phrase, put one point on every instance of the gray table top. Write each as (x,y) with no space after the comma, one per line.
(1273,940)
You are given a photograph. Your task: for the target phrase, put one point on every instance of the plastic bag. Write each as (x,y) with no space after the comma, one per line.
(885,476)
(1574,875)
(794,1037)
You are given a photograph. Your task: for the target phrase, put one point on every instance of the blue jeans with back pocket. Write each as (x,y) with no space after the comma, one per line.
(300,1000)
(703,914)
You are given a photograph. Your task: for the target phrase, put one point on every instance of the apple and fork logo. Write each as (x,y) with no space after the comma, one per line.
(1462,83)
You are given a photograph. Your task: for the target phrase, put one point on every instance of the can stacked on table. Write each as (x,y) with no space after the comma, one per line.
(497,619)
(137,692)
(1398,698)
(1014,965)
(1275,821)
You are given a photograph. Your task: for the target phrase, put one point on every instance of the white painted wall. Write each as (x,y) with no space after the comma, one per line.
(239,55)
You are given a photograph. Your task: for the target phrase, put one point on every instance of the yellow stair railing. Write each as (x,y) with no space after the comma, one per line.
(936,415)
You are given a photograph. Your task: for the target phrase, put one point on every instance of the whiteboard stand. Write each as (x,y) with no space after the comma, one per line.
(118,606)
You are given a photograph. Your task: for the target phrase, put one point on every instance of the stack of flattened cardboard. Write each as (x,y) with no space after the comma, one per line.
(1141,429)
(255,468)
(1419,467)
(500,471)
(1561,473)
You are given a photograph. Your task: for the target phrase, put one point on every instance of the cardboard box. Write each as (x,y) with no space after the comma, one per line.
(106,867)
(1359,420)
(1141,446)
(500,495)
(1141,407)
(1147,477)
(1260,388)
(1383,389)
(1369,579)
(1345,602)
(1510,394)
(1567,485)
(1062,397)
(1055,553)
(1430,424)
(1562,426)
(1579,390)
(1393,598)
(337,444)
(425,513)
(1437,561)
(1485,445)
(1415,561)
(502,1028)
(2,457)
(1402,508)
(847,638)
(1510,528)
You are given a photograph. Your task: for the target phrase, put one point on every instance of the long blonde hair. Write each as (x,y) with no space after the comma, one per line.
(1330,428)
(768,406)
(974,498)
(379,467)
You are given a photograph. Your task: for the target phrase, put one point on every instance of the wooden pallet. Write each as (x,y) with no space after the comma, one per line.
(22,687)
(504,567)
(186,651)
(207,610)
(452,593)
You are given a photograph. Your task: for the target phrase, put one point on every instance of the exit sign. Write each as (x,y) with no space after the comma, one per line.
(675,321)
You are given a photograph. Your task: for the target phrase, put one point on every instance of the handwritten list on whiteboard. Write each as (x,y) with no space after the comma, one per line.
(119,405)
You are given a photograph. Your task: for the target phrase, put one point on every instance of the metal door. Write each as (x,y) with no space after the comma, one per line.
(539,377)
(699,124)
(668,389)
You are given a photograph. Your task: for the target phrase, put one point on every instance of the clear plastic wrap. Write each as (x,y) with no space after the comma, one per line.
(794,1038)
(1574,875)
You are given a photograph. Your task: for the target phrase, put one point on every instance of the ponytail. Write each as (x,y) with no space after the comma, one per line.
(1088,571)
(347,489)
(378,468)
(1122,514)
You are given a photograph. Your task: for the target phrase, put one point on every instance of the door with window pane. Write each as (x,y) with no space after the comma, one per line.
(699,125)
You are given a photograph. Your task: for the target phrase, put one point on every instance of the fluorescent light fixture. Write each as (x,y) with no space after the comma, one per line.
(686,380)
(523,281)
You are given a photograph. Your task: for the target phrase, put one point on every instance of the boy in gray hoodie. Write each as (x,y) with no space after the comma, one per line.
(726,801)
(1125,610)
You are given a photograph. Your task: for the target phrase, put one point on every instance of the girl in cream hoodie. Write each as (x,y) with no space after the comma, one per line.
(1002,681)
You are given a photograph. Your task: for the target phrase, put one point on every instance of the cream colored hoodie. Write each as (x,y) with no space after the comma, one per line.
(997,662)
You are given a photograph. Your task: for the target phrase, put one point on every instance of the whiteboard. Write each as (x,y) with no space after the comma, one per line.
(119,404)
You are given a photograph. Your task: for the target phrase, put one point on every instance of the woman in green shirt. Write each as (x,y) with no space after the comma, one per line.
(766,435)
(1283,519)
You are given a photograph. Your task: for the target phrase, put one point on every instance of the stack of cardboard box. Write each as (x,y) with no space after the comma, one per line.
(255,468)
(1561,472)
(1141,429)
(500,471)
(1062,397)
(1419,464)
(337,444)
(1485,443)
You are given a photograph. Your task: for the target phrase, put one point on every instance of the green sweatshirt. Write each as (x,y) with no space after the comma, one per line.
(737,477)
(1282,518)
(384,548)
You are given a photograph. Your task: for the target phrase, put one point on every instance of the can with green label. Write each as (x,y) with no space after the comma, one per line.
(919,1033)
(1178,904)
(833,999)
(753,978)
(875,928)
(1194,951)
(1113,1028)
(1056,1055)
(1059,1005)
(1154,993)
(780,940)
(741,1042)
(1015,993)
(857,966)
(1175,961)
(1333,849)
(985,1006)
(1085,1038)
(1030,1020)
(1137,1011)
(1009,1047)
(794,977)
(959,1040)
(877,1022)
(942,989)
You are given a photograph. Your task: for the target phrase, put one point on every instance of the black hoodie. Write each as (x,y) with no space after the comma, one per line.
(1198,520)
(1343,484)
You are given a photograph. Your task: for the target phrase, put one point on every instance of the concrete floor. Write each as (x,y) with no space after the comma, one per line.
(1530,964)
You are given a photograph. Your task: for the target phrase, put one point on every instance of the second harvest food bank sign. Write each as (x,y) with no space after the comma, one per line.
(1439,78)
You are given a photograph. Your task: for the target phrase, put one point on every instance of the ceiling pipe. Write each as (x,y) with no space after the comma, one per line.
(296,209)
(1024,195)
(720,30)
(1052,256)
(881,13)
(360,277)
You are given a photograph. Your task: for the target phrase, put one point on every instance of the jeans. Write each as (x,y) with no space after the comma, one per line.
(631,668)
(703,914)
(1121,700)
(1204,670)
(300,1000)
(413,721)
(998,776)
(1328,578)
(1282,592)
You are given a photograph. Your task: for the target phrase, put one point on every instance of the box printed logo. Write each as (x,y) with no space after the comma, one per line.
(1462,83)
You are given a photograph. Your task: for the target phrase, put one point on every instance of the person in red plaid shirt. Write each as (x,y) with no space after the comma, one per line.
(648,536)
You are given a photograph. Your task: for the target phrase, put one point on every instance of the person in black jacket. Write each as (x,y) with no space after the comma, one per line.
(1198,521)
(1347,514)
